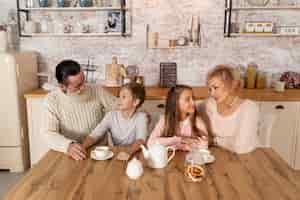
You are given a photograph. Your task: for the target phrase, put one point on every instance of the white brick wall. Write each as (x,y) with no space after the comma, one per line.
(271,54)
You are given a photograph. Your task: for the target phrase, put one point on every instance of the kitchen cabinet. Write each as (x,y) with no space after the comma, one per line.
(37,144)
(297,150)
(280,124)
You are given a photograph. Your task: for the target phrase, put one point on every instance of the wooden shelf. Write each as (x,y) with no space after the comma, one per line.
(73,34)
(266,8)
(73,9)
(174,48)
(263,35)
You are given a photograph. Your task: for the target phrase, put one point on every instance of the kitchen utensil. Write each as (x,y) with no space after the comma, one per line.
(114,73)
(30,3)
(101,151)
(108,156)
(193,171)
(157,155)
(84,3)
(134,169)
(61,3)
(43,3)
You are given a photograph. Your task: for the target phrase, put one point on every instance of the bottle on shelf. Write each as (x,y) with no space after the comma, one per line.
(261,80)
(251,75)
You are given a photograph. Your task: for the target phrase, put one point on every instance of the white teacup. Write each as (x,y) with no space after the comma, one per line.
(101,151)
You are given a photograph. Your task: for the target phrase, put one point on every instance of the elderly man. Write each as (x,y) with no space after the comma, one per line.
(73,110)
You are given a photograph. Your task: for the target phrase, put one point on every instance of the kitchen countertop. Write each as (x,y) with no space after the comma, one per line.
(158,93)
(259,175)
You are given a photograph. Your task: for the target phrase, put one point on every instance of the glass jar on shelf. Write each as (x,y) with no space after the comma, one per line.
(46,24)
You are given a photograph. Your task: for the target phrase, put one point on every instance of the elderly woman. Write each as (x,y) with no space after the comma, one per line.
(233,120)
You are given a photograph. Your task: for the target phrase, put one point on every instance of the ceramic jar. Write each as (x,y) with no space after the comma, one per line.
(85,3)
(134,169)
(43,3)
(61,3)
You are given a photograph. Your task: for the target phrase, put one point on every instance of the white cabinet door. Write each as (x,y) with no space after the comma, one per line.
(37,144)
(297,148)
(281,118)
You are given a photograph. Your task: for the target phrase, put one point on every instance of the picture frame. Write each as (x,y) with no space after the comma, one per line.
(113,22)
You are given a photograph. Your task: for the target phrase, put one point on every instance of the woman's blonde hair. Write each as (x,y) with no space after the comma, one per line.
(227,75)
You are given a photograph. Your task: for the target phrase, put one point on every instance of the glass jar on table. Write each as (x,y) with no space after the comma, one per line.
(193,167)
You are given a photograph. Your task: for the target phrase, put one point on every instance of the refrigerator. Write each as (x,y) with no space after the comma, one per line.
(18,75)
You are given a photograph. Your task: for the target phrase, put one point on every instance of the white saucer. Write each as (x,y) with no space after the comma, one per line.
(207,156)
(209,159)
(109,155)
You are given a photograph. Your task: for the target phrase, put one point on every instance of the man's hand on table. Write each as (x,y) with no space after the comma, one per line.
(76,151)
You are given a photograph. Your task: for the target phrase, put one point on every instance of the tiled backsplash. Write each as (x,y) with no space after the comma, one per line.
(165,16)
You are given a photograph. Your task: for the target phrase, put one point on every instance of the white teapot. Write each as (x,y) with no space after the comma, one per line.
(157,155)
(134,169)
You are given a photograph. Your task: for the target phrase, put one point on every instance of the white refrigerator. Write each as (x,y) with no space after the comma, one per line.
(18,75)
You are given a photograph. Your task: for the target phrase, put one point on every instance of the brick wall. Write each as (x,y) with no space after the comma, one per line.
(170,18)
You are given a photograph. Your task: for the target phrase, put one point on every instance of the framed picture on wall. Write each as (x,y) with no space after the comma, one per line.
(113,23)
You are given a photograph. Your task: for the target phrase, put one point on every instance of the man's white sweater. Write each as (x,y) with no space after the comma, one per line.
(72,117)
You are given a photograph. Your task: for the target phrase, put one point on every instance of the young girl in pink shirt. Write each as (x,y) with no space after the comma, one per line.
(180,126)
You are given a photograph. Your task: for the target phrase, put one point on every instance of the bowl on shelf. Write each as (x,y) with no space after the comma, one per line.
(43,3)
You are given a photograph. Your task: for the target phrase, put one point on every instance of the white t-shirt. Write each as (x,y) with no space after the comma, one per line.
(237,132)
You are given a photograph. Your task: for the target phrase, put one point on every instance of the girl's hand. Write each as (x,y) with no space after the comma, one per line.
(137,145)
(184,147)
(190,140)
(177,139)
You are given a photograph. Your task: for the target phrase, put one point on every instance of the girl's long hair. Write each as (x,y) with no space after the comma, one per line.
(172,113)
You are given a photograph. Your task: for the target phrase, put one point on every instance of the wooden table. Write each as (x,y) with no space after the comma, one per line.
(258,175)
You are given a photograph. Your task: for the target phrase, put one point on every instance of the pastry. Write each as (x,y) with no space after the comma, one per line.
(123,156)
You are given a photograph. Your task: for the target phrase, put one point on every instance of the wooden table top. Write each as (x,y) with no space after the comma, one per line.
(260,175)
(158,93)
